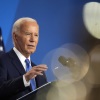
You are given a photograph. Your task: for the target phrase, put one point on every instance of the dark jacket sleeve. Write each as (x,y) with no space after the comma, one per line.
(9,87)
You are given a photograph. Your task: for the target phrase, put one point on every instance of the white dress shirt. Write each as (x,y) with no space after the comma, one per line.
(22,60)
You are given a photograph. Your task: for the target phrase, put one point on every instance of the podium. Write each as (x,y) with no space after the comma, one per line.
(38,94)
(58,90)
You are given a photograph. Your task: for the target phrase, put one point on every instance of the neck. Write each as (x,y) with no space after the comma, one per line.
(26,55)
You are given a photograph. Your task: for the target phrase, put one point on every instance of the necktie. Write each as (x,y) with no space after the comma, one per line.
(28,67)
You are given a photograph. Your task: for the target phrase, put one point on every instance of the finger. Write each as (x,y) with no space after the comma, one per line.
(42,66)
(39,69)
(38,73)
(33,76)
(33,73)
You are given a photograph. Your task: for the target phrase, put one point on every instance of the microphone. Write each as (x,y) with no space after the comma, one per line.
(72,65)
(69,62)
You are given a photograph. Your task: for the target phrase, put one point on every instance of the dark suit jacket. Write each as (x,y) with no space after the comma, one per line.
(11,77)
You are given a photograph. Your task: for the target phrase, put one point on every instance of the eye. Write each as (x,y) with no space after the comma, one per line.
(36,35)
(27,33)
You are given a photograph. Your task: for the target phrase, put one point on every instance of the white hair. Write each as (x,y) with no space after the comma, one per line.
(17,24)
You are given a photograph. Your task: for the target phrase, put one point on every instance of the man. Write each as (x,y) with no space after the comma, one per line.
(14,80)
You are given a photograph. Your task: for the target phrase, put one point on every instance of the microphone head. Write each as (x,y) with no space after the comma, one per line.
(67,62)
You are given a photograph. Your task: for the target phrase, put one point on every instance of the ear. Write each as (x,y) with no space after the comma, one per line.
(14,37)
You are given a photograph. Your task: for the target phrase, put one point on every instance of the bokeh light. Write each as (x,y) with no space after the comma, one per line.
(93,76)
(91,18)
(60,90)
(70,62)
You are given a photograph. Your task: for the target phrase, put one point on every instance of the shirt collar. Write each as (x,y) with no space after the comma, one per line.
(20,56)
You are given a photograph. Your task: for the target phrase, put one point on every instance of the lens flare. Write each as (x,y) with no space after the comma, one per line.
(70,62)
(91,18)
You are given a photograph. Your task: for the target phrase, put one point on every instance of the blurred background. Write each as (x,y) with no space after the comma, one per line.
(61,22)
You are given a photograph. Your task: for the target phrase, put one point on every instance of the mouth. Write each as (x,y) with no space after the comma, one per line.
(31,46)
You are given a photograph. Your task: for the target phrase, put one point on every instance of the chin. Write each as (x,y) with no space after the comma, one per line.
(32,52)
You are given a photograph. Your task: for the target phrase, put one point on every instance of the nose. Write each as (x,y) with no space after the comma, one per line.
(32,38)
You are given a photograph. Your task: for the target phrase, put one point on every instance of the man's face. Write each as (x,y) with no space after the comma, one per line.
(27,38)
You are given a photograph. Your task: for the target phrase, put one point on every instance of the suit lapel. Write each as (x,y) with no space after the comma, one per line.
(16,62)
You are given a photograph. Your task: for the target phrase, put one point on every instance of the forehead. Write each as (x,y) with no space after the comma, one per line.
(28,24)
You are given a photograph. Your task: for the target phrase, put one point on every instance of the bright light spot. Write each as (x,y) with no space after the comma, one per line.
(91,17)
(1,48)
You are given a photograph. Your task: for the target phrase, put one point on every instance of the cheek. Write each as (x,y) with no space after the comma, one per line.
(37,41)
(22,43)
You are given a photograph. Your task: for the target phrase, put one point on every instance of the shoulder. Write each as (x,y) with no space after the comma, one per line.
(5,56)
